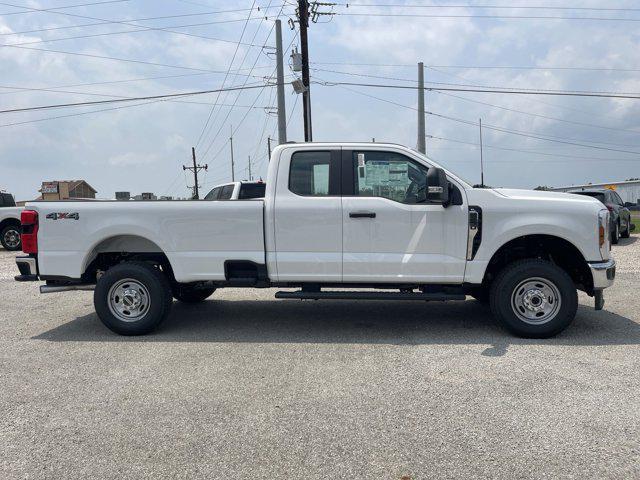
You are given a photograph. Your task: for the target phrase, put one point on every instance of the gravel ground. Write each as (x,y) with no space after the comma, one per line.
(244,386)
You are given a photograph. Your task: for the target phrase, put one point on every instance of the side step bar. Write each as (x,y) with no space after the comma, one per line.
(346,295)
(64,288)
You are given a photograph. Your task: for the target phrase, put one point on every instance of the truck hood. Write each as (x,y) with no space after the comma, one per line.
(542,195)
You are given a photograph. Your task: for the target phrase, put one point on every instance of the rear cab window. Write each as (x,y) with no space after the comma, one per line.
(252,190)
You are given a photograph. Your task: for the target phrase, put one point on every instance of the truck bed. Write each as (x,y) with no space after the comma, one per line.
(197,236)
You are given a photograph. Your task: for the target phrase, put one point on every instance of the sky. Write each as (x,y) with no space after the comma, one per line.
(141,146)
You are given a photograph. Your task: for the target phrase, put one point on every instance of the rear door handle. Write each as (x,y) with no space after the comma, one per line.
(362,215)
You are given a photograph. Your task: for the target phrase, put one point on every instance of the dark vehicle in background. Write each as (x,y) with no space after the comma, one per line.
(620,216)
(237,191)
(9,223)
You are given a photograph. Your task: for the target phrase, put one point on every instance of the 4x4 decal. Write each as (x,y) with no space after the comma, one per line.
(63,216)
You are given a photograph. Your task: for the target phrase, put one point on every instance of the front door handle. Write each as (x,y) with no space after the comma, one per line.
(362,215)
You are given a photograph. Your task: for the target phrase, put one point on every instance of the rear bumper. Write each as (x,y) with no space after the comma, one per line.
(28,267)
(603,273)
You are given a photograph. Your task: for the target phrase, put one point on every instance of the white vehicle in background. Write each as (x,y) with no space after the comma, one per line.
(357,221)
(237,191)
(9,222)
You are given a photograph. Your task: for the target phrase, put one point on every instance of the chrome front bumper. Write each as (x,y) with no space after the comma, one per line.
(603,273)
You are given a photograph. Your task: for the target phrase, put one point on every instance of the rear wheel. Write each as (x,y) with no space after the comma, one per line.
(189,294)
(132,298)
(627,231)
(534,298)
(10,238)
(615,234)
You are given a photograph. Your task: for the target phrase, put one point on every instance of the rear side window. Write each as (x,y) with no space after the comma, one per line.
(309,173)
(226,192)
(252,190)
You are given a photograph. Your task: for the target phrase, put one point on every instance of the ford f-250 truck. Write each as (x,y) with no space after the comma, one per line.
(339,221)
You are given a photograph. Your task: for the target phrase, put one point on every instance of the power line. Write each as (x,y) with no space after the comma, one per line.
(491,17)
(235,52)
(142,19)
(514,91)
(131,99)
(497,128)
(531,152)
(238,96)
(473,67)
(29,10)
(108,82)
(506,7)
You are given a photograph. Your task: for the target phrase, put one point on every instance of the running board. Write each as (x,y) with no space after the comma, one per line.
(337,295)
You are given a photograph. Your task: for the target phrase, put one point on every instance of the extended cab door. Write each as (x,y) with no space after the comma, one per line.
(308,215)
(388,236)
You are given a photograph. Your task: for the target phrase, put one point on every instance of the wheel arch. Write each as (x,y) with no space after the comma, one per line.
(116,249)
(556,249)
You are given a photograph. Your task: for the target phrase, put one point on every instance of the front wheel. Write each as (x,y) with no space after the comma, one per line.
(132,298)
(534,298)
(10,238)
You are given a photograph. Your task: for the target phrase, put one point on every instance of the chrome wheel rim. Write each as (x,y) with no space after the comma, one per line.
(129,300)
(536,300)
(11,238)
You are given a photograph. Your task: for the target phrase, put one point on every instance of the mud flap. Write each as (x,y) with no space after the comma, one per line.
(598,296)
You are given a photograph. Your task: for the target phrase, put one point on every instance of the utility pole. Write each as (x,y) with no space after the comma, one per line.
(422,141)
(282,114)
(269,148)
(250,177)
(481,161)
(303,17)
(195,169)
(233,174)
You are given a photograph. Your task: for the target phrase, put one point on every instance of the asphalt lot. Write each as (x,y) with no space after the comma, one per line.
(245,386)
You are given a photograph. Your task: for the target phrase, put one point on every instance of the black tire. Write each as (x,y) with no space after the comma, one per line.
(189,294)
(627,232)
(615,234)
(9,236)
(521,277)
(142,279)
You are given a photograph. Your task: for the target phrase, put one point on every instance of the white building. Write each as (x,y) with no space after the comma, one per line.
(628,190)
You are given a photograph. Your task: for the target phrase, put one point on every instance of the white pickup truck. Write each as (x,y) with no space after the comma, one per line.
(365,221)
(9,222)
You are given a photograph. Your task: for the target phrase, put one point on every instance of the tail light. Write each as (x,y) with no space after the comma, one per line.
(603,234)
(29,237)
(609,207)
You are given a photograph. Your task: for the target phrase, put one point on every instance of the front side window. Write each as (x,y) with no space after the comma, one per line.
(309,173)
(389,175)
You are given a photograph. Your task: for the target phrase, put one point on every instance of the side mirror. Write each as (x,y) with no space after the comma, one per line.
(629,204)
(437,186)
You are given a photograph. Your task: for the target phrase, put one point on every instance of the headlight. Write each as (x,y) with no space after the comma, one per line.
(603,233)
